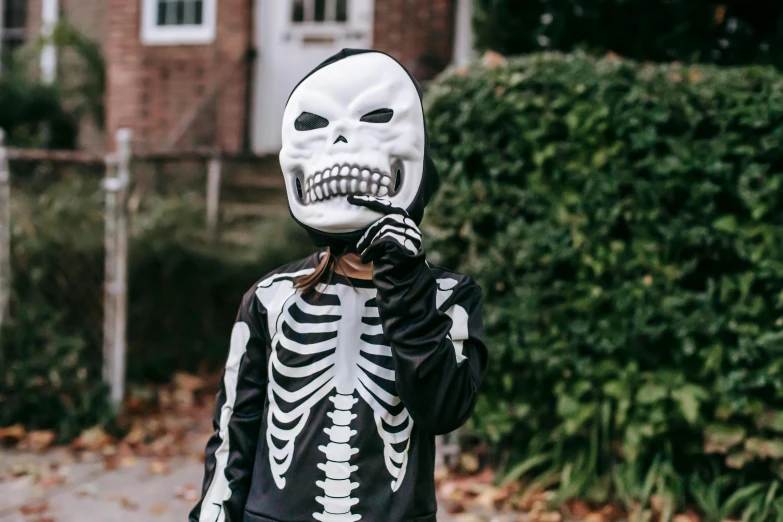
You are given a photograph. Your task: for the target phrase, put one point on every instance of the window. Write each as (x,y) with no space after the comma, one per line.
(318,11)
(178,22)
(14,23)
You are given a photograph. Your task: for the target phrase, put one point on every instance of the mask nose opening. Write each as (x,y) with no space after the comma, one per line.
(398,173)
(299,189)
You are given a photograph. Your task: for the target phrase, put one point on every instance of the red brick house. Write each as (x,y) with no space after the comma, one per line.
(186,73)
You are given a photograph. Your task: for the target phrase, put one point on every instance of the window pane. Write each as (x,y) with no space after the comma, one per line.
(342,11)
(161,12)
(15,14)
(180,17)
(298,12)
(199,8)
(171,12)
(320,10)
(189,12)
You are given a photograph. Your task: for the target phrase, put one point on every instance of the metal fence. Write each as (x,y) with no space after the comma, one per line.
(63,246)
(77,241)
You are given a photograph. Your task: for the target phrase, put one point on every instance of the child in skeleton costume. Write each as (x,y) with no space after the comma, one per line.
(332,396)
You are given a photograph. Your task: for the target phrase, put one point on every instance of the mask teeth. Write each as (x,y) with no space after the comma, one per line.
(344,180)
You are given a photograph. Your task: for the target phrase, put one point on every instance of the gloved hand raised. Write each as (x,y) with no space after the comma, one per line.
(394,230)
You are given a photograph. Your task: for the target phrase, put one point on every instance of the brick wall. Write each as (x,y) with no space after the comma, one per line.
(32,32)
(89,18)
(152,88)
(419,34)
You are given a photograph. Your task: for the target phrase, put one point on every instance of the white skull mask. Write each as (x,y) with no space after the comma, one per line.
(355,126)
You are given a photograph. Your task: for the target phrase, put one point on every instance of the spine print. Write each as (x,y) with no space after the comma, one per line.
(337,500)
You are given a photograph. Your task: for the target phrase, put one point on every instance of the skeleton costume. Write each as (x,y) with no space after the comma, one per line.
(330,400)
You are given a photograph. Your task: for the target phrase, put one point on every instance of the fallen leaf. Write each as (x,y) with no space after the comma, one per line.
(12,434)
(578,509)
(128,461)
(614,513)
(35,508)
(128,504)
(468,463)
(491,59)
(159,467)
(111,462)
(92,439)
(135,436)
(38,440)
(159,509)
(491,497)
(595,517)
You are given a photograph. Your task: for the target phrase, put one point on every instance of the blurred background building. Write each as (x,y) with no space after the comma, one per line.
(190,73)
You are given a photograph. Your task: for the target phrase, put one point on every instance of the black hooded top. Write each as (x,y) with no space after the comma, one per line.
(344,243)
(331,400)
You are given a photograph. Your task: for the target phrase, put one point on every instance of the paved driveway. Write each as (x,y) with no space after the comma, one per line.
(54,488)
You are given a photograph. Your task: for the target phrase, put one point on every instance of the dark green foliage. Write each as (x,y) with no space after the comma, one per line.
(49,378)
(183,297)
(727,33)
(37,115)
(50,350)
(624,222)
(32,114)
(84,83)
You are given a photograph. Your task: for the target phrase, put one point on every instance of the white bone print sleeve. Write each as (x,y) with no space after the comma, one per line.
(434,324)
(231,450)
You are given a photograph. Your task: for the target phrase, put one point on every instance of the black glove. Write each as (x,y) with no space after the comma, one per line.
(435,333)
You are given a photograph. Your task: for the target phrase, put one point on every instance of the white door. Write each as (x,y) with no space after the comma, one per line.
(292,37)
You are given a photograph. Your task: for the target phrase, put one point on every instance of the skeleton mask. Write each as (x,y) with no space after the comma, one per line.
(354,125)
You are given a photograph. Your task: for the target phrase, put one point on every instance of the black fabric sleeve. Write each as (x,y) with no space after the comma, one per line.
(439,361)
(230,452)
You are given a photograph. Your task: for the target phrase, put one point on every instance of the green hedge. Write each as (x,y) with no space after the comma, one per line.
(723,33)
(182,299)
(33,114)
(625,223)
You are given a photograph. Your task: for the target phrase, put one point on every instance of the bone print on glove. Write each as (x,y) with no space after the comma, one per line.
(394,227)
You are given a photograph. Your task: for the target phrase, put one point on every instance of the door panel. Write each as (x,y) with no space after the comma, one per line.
(293,36)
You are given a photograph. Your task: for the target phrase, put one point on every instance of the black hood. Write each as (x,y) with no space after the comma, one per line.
(346,242)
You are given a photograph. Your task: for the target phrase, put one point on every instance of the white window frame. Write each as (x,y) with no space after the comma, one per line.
(154,34)
(50,16)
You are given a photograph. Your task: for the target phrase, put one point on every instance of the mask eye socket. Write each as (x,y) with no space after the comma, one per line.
(309,121)
(378,116)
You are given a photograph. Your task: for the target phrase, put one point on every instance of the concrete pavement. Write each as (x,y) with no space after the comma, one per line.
(53,488)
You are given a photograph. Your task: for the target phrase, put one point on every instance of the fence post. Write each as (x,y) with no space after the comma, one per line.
(118,176)
(5,230)
(214,171)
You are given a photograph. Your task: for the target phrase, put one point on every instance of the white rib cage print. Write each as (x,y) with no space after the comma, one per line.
(322,348)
